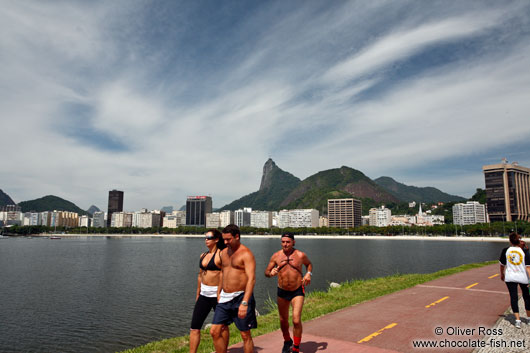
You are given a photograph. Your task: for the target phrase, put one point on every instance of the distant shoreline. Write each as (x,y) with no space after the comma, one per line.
(274,236)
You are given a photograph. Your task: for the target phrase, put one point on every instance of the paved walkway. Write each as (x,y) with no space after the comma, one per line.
(452,314)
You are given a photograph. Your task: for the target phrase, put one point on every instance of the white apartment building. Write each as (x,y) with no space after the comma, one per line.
(471,212)
(380,217)
(242,217)
(174,220)
(226,218)
(121,219)
(323,221)
(298,218)
(261,219)
(213,220)
(84,221)
(283,219)
(98,220)
(145,219)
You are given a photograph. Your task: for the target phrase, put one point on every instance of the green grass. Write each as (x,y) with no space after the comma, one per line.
(317,303)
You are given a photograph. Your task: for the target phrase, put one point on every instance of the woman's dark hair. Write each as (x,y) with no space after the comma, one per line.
(514,238)
(217,235)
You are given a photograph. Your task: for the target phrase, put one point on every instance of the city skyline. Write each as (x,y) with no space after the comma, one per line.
(170,99)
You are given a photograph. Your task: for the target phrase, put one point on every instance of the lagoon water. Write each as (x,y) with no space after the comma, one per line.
(110,294)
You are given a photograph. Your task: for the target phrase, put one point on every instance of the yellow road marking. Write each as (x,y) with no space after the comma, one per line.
(436,302)
(495,275)
(368,338)
(472,285)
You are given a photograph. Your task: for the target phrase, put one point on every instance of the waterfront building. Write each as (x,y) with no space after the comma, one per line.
(242,217)
(121,219)
(401,220)
(226,218)
(98,219)
(323,221)
(196,209)
(45,218)
(146,219)
(34,218)
(213,220)
(344,213)
(300,218)
(115,204)
(380,217)
(261,219)
(283,219)
(84,221)
(507,191)
(471,212)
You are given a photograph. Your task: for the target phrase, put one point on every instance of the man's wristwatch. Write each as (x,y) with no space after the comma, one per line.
(244,303)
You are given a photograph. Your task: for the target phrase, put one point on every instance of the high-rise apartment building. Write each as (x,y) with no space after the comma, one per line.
(213,220)
(261,219)
(98,219)
(344,213)
(242,217)
(226,218)
(507,191)
(196,209)
(115,204)
(470,212)
(380,217)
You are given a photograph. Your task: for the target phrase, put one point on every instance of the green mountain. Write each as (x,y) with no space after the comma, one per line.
(275,184)
(406,193)
(50,203)
(5,199)
(343,182)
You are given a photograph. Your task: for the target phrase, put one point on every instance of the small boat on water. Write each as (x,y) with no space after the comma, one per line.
(55,237)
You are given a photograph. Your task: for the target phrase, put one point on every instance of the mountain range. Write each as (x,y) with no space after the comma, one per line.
(280,189)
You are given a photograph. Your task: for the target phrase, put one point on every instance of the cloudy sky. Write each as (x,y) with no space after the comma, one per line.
(165,99)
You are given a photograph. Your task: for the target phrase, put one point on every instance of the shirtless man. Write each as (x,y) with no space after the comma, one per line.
(287,264)
(235,296)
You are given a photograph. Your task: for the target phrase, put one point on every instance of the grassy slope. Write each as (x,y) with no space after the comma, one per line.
(316,304)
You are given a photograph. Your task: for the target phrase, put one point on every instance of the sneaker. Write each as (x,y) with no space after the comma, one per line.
(287,346)
(517,324)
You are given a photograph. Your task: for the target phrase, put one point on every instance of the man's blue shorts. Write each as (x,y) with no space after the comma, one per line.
(226,313)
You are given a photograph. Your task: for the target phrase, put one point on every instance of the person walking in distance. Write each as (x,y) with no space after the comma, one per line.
(235,294)
(287,265)
(207,284)
(515,271)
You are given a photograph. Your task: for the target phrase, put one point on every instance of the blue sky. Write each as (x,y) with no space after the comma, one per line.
(164,99)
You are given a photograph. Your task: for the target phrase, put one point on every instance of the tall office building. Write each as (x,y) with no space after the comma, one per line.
(344,213)
(196,209)
(115,204)
(507,191)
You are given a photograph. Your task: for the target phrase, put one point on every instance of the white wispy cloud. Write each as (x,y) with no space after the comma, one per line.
(96,96)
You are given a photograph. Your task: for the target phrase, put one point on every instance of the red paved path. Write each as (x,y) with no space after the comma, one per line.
(403,317)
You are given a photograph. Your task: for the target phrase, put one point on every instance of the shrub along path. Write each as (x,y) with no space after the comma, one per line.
(449,314)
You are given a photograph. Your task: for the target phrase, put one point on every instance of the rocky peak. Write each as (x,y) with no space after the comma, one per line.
(266,178)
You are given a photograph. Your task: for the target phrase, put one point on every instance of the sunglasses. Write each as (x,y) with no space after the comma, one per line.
(209,238)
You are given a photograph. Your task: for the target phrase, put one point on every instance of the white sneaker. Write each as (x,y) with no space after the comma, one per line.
(518,323)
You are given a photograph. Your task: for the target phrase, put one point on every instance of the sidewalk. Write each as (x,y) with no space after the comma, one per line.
(450,314)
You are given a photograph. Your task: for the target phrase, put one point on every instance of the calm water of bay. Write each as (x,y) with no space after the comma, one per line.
(108,294)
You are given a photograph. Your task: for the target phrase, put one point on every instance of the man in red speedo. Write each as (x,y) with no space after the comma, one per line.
(287,265)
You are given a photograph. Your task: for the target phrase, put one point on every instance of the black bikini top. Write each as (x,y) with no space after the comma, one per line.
(211,265)
(288,262)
